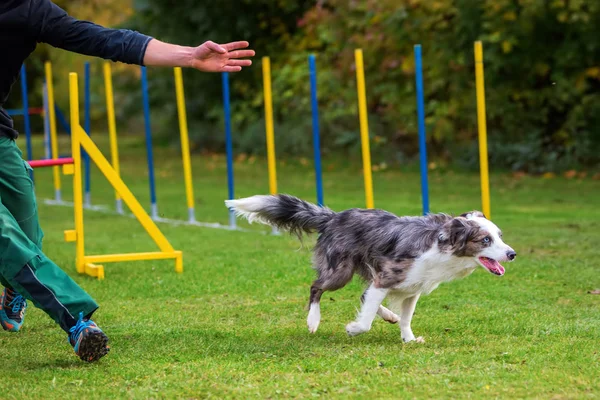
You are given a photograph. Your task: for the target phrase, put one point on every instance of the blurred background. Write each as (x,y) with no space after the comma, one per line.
(542,77)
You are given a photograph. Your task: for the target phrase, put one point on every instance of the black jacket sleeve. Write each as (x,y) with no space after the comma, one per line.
(50,24)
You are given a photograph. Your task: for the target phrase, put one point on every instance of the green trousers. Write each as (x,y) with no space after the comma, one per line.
(23,265)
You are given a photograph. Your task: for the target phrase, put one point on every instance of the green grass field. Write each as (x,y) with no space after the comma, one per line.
(233,324)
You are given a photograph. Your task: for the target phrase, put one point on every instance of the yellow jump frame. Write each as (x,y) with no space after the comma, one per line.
(87,264)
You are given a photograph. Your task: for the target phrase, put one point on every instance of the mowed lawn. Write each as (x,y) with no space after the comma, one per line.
(233,325)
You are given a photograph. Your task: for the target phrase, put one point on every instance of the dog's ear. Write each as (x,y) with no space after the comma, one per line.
(473,214)
(457,233)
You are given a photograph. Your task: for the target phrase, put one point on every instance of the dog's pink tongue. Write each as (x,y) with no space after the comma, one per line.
(493,266)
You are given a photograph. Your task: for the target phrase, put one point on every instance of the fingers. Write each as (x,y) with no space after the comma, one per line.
(215,47)
(236,45)
(228,68)
(240,63)
(241,54)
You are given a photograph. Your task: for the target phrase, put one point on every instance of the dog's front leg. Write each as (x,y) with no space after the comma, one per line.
(384,313)
(373,298)
(408,309)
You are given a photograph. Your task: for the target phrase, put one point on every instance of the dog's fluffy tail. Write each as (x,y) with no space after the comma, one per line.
(285,212)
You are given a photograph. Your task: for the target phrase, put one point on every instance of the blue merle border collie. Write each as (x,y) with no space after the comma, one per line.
(399,257)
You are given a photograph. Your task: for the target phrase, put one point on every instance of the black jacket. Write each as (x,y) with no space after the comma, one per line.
(25,23)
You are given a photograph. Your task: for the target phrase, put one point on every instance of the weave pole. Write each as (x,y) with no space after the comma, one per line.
(52,123)
(228,144)
(481,122)
(112,129)
(315,124)
(87,127)
(364,126)
(269,130)
(27,122)
(148,129)
(185,146)
(421,118)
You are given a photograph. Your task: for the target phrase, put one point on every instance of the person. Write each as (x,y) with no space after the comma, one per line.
(25,271)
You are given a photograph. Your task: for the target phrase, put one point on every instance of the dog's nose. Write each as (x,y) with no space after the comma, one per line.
(511,255)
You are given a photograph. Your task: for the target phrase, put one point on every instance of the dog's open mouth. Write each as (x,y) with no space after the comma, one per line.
(492,265)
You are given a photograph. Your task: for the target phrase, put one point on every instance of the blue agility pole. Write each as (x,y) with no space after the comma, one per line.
(87,127)
(421,120)
(228,143)
(315,124)
(146,101)
(26,113)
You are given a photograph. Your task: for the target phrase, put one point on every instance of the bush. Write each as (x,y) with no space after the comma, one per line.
(541,73)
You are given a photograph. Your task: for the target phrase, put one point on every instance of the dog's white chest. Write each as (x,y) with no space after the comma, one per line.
(433,268)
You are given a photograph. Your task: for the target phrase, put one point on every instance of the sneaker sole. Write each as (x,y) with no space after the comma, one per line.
(93,347)
(9,326)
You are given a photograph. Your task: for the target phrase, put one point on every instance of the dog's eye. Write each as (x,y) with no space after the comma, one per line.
(486,240)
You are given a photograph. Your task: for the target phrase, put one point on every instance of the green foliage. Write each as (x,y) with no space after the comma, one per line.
(542,76)
(266,24)
(541,71)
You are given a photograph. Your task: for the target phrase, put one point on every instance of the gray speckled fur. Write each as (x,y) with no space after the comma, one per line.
(375,244)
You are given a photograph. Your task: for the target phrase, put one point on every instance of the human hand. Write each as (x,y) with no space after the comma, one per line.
(212,57)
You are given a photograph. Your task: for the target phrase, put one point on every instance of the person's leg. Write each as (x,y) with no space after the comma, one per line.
(12,304)
(27,270)
(23,265)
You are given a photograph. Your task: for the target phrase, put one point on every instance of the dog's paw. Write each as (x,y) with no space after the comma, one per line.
(355,328)
(314,318)
(390,317)
(412,338)
(313,326)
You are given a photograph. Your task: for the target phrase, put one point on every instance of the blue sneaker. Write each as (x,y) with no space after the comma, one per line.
(12,310)
(88,341)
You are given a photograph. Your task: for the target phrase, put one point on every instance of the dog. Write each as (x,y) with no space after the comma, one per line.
(400,257)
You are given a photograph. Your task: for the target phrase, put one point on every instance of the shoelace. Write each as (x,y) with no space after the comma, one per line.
(79,327)
(18,303)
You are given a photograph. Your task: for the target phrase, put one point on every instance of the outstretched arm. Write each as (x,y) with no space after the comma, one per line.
(51,24)
(208,57)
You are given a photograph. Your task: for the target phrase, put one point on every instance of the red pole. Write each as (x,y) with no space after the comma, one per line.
(50,163)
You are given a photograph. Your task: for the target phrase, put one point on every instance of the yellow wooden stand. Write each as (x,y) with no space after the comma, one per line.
(87,264)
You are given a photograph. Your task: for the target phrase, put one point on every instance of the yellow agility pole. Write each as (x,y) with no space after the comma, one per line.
(77,186)
(268,98)
(364,126)
(112,128)
(483,152)
(53,136)
(81,141)
(185,146)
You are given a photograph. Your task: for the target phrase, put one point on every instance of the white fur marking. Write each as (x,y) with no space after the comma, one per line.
(250,207)
(354,328)
(314,317)
(408,309)
(373,299)
(388,315)
(498,250)
(434,267)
